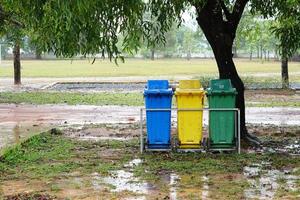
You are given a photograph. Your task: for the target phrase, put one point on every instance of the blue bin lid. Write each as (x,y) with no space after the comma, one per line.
(157,84)
(159,92)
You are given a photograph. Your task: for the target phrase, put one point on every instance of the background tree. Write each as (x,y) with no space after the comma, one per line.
(12,29)
(87,27)
(287,29)
(13,36)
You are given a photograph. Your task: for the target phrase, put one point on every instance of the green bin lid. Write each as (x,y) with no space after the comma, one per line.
(220,84)
(221,87)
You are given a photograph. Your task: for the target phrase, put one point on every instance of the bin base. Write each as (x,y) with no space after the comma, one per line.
(222,146)
(155,147)
(189,146)
(190,150)
(223,150)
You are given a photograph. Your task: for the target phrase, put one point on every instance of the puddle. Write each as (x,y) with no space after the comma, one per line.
(276,116)
(174,178)
(284,147)
(264,182)
(19,121)
(119,132)
(99,87)
(13,133)
(122,180)
(205,188)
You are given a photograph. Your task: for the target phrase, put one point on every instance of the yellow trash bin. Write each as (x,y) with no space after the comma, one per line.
(189,95)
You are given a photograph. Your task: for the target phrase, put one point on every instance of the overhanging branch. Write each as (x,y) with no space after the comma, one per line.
(228,15)
(7,17)
(237,12)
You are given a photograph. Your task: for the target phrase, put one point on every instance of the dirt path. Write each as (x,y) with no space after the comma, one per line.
(18,121)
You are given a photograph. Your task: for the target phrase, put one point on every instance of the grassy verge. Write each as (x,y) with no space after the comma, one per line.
(128,99)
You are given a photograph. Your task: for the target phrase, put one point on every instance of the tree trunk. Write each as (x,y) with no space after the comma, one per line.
(220,34)
(234,50)
(38,54)
(284,73)
(17,64)
(152,54)
(188,55)
(251,52)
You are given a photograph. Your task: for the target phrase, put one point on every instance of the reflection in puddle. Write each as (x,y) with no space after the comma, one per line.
(122,180)
(99,138)
(265,183)
(133,163)
(173,189)
(125,181)
(205,188)
(16,131)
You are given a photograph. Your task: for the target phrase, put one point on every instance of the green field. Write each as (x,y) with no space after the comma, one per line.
(141,67)
(124,99)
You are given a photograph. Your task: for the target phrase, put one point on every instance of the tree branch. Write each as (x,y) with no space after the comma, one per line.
(7,17)
(228,15)
(237,12)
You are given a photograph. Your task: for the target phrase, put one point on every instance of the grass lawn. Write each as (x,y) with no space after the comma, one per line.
(139,67)
(128,99)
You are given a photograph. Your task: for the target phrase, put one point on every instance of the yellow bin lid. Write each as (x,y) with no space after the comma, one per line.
(190,84)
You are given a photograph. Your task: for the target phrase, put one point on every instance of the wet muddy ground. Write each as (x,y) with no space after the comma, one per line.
(113,169)
(19,121)
(104,162)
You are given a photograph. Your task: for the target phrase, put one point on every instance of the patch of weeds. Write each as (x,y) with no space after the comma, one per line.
(55,188)
(297,172)
(30,196)
(227,186)
(40,155)
(47,156)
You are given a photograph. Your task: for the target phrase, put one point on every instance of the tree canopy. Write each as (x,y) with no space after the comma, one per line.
(90,27)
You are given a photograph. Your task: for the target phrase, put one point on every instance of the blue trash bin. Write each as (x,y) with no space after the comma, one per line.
(158,95)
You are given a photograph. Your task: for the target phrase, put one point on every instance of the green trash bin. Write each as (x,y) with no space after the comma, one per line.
(221,94)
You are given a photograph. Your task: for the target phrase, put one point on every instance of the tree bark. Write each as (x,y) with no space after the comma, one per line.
(284,73)
(38,55)
(17,64)
(152,54)
(188,55)
(220,34)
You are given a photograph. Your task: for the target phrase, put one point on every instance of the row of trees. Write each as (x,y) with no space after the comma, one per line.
(68,28)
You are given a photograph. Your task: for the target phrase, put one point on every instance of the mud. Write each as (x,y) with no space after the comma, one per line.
(30,196)
(120,132)
(19,121)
